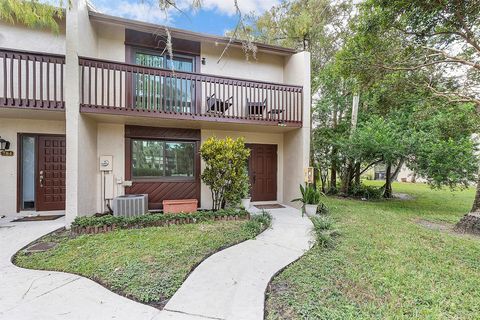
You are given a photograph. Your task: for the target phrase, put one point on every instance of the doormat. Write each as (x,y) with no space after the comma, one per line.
(39,218)
(269,206)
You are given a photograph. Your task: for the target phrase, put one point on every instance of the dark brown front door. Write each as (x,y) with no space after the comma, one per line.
(50,173)
(262,169)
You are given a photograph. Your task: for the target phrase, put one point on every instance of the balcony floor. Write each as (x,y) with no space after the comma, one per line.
(191,122)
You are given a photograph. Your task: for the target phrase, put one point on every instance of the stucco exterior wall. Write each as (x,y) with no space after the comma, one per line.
(111,142)
(81,130)
(267,67)
(110,42)
(19,37)
(250,137)
(297,142)
(8,165)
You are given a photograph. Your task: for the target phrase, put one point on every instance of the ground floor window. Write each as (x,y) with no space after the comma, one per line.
(163,159)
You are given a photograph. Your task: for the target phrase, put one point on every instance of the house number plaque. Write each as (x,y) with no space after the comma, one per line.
(7,153)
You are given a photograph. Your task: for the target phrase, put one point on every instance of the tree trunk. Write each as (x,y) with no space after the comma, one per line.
(470,223)
(357,173)
(333,178)
(387,188)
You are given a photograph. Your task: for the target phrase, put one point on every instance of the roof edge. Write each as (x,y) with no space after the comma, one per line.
(182,34)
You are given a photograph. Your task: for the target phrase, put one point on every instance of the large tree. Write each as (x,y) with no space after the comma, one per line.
(437,39)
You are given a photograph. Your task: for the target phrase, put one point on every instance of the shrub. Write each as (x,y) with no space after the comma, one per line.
(257,223)
(153,219)
(225,171)
(366,192)
(323,227)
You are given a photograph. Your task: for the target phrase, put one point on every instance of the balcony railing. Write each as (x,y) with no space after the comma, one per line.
(112,87)
(31,80)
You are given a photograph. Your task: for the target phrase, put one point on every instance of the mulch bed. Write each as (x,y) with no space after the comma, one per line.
(39,218)
(161,223)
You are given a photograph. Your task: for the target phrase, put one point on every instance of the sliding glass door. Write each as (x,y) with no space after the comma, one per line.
(163,93)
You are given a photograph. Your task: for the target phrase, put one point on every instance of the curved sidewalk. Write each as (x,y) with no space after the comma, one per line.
(231,283)
(228,285)
(41,295)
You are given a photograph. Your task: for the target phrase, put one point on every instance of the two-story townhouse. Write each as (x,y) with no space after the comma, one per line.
(106,86)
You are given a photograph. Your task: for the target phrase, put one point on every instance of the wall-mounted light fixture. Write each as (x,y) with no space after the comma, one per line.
(4,144)
(204,62)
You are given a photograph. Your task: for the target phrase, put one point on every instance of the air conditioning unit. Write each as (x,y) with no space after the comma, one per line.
(130,205)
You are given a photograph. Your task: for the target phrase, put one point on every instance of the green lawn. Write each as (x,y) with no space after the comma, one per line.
(384,265)
(148,264)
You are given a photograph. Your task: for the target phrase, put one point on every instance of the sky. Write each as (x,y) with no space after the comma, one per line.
(214,17)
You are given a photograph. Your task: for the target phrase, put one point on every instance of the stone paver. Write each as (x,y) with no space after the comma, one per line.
(228,285)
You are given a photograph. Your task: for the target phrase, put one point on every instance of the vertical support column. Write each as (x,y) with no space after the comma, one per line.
(81,132)
(296,151)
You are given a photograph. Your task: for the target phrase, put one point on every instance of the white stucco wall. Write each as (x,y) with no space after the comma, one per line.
(297,142)
(267,67)
(110,42)
(9,128)
(111,142)
(250,137)
(19,37)
(81,130)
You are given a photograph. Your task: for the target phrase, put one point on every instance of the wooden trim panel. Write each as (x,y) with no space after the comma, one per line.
(162,189)
(31,80)
(186,95)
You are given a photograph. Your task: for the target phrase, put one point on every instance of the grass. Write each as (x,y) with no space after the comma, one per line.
(147,265)
(384,265)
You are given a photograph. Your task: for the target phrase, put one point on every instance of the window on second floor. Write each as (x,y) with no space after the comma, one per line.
(164,93)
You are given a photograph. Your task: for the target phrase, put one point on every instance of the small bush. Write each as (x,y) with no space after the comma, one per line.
(257,223)
(366,192)
(323,227)
(152,219)
(322,223)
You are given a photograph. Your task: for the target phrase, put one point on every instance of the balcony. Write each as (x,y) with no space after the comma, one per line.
(30,80)
(119,88)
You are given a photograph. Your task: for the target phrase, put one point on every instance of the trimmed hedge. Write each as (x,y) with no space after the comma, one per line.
(109,223)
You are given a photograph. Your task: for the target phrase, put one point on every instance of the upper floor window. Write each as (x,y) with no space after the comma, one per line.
(163,93)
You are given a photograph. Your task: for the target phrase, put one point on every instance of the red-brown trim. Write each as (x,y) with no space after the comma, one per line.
(20,135)
(182,34)
(178,134)
(178,116)
(151,41)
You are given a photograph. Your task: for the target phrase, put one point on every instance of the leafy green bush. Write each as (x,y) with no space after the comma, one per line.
(366,192)
(151,219)
(257,223)
(323,227)
(225,171)
(309,195)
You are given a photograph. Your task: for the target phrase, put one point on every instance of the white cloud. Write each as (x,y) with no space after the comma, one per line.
(150,12)
(141,11)
(246,6)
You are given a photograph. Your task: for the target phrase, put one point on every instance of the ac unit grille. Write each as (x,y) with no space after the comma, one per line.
(130,205)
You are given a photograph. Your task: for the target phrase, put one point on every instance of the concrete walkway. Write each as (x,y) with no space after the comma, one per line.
(44,295)
(231,284)
(228,285)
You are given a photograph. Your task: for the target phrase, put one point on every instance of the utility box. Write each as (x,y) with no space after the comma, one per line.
(106,163)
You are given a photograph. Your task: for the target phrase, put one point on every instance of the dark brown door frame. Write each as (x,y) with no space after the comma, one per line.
(252,178)
(20,135)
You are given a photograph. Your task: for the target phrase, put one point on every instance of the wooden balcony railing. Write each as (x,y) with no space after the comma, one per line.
(112,87)
(31,80)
